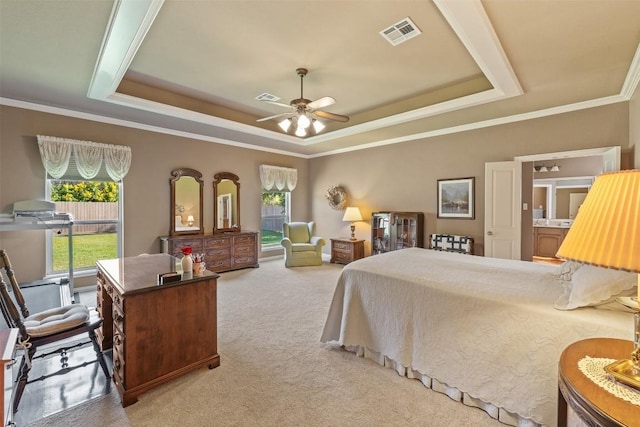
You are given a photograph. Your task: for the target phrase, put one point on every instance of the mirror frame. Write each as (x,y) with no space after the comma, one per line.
(217,179)
(175,176)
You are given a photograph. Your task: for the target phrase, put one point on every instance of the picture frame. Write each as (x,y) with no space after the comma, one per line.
(456,198)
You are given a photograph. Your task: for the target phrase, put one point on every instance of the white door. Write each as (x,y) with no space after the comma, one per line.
(502,216)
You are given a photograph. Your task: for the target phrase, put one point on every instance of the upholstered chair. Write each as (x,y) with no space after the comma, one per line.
(301,245)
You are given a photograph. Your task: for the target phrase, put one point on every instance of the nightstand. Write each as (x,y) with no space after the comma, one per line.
(594,405)
(344,251)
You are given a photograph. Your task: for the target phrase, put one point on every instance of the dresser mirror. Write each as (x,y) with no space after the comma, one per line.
(186,202)
(226,202)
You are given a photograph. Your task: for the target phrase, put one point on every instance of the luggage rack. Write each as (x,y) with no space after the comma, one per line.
(48,222)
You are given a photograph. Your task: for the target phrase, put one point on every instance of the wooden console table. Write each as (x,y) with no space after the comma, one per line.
(594,405)
(157,332)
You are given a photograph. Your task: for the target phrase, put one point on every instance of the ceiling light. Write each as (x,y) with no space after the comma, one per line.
(318,126)
(300,131)
(285,124)
(303,121)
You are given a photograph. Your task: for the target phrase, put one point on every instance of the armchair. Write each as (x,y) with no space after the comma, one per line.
(301,245)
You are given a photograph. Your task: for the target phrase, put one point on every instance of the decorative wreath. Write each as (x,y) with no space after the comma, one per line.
(337,197)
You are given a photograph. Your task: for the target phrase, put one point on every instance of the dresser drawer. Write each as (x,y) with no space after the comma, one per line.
(119,360)
(118,319)
(217,242)
(243,250)
(342,257)
(177,245)
(342,246)
(248,239)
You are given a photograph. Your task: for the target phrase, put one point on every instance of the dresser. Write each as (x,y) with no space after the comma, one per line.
(157,332)
(222,251)
(8,339)
(344,251)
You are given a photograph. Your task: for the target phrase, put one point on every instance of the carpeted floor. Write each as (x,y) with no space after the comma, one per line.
(275,371)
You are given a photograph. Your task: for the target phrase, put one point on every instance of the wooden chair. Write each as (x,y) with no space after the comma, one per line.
(47,327)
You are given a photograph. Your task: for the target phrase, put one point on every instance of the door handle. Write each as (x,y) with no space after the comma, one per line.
(489,233)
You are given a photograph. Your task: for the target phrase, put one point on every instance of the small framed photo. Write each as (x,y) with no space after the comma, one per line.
(456,198)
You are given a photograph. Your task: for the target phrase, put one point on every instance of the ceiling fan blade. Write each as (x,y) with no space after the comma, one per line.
(278,104)
(272,117)
(322,102)
(331,116)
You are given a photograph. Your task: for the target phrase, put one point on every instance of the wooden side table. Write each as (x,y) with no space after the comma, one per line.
(594,405)
(344,251)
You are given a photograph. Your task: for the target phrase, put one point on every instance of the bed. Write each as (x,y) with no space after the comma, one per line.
(482,330)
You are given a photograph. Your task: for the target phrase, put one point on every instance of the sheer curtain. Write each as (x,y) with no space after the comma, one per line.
(56,154)
(276,178)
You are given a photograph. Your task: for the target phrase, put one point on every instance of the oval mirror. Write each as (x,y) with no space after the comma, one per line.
(226,202)
(186,202)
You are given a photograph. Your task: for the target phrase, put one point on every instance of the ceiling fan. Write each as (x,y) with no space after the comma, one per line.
(305,113)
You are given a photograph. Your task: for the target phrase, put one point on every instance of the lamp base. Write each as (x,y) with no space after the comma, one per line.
(624,372)
(627,371)
(353,231)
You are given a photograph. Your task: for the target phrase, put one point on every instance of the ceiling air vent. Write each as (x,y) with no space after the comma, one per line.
(267,97)
(400,32)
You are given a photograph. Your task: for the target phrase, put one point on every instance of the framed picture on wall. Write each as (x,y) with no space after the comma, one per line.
(456,198)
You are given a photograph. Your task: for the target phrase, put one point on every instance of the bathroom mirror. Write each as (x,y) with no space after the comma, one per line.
(186,202)
(226,202)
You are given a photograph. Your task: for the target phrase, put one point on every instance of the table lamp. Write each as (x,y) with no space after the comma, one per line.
(606,233)
(190,220)
(352,214)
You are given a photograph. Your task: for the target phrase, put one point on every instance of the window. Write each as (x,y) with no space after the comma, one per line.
(84,179)
(96,210)
(277,185)
(275,211)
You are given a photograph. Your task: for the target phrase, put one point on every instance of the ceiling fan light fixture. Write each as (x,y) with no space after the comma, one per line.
(285,124)
(303,121)
(318,126)
(300,131)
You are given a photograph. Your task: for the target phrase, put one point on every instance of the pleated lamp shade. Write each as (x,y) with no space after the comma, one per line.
(606,231)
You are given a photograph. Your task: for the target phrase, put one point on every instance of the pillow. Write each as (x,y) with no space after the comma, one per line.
(590,286)
(566,270)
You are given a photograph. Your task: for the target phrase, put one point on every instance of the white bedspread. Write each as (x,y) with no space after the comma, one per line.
(484,326)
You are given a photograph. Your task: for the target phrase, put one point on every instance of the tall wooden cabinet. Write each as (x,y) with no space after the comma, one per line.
(222,251)
(391,231)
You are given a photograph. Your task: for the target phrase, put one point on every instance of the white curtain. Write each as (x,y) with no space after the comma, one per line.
(276,178)
(56,153)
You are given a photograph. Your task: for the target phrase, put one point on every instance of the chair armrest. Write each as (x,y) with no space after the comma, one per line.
(318,242)
(286,242)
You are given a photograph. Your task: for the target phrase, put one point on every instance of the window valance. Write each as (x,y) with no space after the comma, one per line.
(276,178)
(87,156)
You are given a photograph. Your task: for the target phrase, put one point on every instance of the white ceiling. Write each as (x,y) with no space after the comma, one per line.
(194,68)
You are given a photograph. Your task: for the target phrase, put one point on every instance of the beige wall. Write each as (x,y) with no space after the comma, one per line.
(395,177)
(146,187)
(634,127)
(404,176)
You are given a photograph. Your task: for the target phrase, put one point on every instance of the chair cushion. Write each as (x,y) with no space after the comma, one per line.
(56,320)
(302,247)
(299,233)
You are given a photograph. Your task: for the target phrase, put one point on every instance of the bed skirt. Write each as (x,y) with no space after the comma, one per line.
(493,411)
